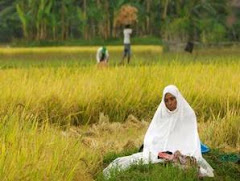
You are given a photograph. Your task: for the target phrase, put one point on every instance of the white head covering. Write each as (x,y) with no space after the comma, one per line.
(173,130)
(168,131)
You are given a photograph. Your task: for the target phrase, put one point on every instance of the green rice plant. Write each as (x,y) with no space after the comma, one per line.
(83,49)
(119,91)
(33,151)
(76,95)
(43,97)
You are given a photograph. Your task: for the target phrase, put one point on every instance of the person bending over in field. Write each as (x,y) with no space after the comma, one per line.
(102,56)
(171,136)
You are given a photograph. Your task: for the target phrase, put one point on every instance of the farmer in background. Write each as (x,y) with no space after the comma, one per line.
(102,56)
(127,43)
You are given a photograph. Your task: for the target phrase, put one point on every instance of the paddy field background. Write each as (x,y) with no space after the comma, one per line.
(63,118)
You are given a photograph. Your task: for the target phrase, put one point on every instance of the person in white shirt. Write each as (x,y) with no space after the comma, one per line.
(127,43)
(102,55)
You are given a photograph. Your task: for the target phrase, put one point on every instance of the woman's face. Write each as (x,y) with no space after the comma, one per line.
(170,101)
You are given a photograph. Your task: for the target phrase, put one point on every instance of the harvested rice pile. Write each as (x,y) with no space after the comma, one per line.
(106,136)
(126,15)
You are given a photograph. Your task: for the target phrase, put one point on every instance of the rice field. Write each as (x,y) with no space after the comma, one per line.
(62,116)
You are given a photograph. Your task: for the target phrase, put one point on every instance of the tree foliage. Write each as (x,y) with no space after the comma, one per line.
(181,20)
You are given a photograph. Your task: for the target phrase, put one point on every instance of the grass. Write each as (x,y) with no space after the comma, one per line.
(147,40)
(33,151)
(58,109)
(71,56)
(152,172)
(223,170)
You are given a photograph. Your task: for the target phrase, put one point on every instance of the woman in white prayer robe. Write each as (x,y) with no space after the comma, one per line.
(173,128)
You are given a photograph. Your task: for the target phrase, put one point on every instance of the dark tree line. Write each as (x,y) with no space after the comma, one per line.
(171,20)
